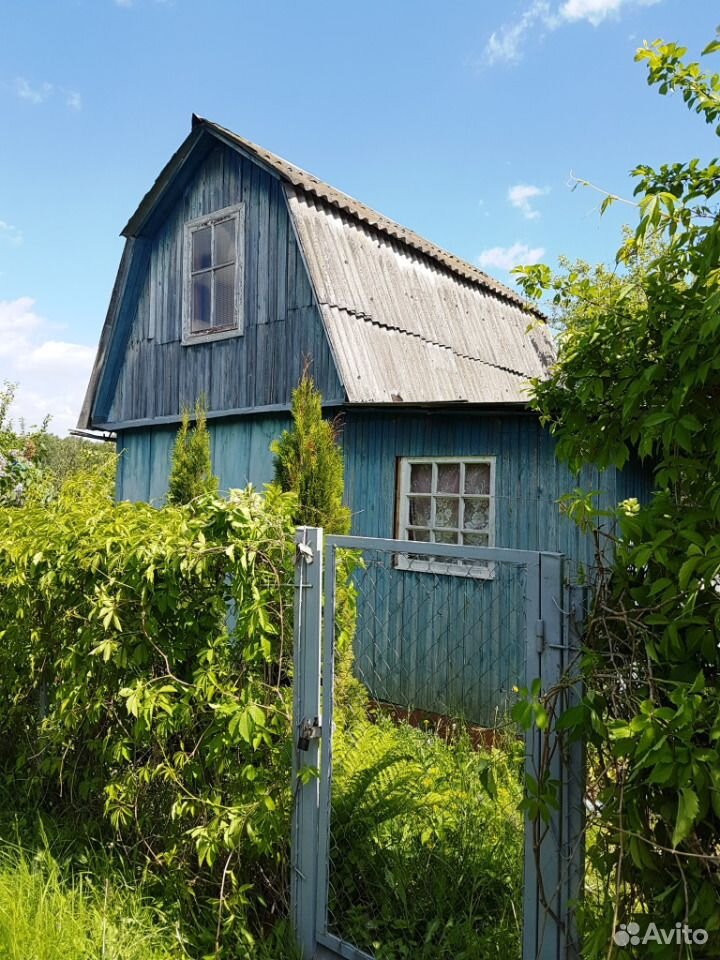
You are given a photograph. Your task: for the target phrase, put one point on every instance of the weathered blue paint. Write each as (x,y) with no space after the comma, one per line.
(150,374)
(240,452)
(447,644)
(528,479)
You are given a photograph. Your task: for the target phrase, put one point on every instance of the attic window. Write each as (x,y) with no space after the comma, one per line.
(448,500)
(212,291)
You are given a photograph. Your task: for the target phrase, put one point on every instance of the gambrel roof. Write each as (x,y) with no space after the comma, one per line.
(406,321)
(405,328)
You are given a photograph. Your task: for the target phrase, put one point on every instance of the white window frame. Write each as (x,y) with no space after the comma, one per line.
(236,213)
(482,570)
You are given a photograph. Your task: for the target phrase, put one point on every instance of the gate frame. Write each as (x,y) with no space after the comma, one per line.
(554,854)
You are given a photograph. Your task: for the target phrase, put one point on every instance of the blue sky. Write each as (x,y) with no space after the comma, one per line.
(462,120)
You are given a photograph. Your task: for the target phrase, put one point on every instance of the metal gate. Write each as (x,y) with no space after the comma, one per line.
(406,750)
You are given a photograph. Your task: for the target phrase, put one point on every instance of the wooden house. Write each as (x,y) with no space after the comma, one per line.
(239,265)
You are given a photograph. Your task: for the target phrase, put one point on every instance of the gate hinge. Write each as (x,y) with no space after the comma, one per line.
(309,730)
(540,635)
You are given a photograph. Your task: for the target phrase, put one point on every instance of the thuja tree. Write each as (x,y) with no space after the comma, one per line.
(638,374)
(309,463)
(191,475)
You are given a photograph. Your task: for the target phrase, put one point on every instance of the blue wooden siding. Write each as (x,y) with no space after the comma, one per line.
(446,644)
(528,479)
(157,375)
(240,454)
(449,645)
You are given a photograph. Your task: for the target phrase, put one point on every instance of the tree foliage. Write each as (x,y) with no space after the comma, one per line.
(638,374)
(62,457)
(19,448)
(191,474)
(35,463)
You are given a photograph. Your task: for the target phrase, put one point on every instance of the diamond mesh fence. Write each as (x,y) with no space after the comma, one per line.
(426,838)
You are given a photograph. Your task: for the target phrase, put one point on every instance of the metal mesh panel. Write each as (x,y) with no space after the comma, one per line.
(425,839)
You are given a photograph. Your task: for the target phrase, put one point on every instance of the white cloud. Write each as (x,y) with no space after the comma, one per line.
(506,45)
(10,234)
(32,94)
(505,258)
(73,100)
(521,195)
(595,11)
(51,374)
(44,91)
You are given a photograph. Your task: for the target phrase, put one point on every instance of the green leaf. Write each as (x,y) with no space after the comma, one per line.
(687,811)
(686,571)
(246,726)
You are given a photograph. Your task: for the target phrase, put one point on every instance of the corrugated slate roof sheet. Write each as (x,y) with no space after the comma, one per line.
(359,211)
(403,328)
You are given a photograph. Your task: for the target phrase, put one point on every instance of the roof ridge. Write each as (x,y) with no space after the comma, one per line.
(309,183)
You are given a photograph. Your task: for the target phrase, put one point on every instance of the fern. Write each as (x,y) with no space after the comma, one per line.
(421,852)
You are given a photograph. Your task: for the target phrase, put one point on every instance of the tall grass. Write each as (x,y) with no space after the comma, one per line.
(49,911)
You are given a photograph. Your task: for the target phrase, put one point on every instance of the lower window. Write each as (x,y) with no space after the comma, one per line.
(447,500)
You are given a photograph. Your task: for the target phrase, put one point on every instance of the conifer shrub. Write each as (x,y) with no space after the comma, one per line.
(191,474)
(309,463)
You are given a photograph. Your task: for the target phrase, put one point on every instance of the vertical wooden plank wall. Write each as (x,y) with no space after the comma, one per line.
(240,453)
(158,376)
(447,644)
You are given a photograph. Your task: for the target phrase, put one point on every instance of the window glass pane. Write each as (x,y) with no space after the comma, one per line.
(420,511)
(422,536)
(420,477)
(446,512)
(477,478)
(475,539)
(448,478)
(477,513)
(201,319)
(225,242)
(445,536)
(224,280)
(201,248)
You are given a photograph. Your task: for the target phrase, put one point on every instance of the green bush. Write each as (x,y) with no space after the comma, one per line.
(638,375)
(191,475)
(308,460)
(145,711)
(130,699)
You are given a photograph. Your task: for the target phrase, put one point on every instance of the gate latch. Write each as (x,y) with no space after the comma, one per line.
(304,552)
(309,730)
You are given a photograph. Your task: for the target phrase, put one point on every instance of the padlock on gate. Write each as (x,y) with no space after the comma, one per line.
(309,730)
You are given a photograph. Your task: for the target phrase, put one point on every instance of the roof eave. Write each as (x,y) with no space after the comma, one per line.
(135,225)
